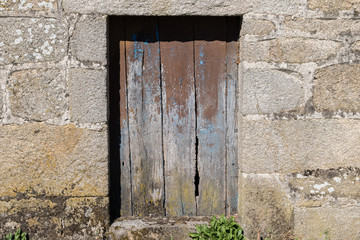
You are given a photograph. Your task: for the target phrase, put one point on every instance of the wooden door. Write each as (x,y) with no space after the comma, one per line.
(178,90)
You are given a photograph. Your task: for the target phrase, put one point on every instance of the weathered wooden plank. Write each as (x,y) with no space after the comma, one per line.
(125,164)
(210,51)
(144,103)
(232,55)
(177,61)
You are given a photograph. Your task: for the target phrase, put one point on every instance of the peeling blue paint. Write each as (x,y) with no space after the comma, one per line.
(201,53)
(138,48)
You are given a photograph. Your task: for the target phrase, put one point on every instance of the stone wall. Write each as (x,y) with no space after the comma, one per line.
(53,121)
(299,114)
(300,99)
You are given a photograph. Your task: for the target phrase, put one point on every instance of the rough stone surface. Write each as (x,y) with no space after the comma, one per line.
(325,29)
(356,48)
(321,187)
(176,228)
(27,5)
(83,212)
(302,50)
(298,103)
(31,40)
(40,159)
(270,91)
(292,50)
(188,7)
(337,88)
(340,222)
(36,215)
(88,102)
(268,201)
(37,94)
(55,217)
(277,6)
(156,7)
(264,204)
(255,51)
(294,145)
(89,39)
(332,5)
(257,27)
(1,102)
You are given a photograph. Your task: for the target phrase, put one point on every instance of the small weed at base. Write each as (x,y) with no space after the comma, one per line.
(18,235)
(222,228)
(228,229)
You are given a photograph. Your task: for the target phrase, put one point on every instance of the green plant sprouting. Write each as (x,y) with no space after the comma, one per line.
(222,228)
(19,235)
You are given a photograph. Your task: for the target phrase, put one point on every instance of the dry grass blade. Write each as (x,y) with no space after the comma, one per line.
(287,236)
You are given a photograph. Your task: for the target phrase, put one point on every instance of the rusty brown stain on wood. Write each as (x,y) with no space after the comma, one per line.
(210,54)
(232,174)
(177,61)
(125,178)
(143,74)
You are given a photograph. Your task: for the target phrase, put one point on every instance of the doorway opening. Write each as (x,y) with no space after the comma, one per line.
(173,89)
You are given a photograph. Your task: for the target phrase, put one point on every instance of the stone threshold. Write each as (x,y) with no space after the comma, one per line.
(160,228)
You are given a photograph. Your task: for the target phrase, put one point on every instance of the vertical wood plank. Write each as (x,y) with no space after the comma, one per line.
(210,51)
(177,61)
(144,95)
(232,56)
(125,164)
